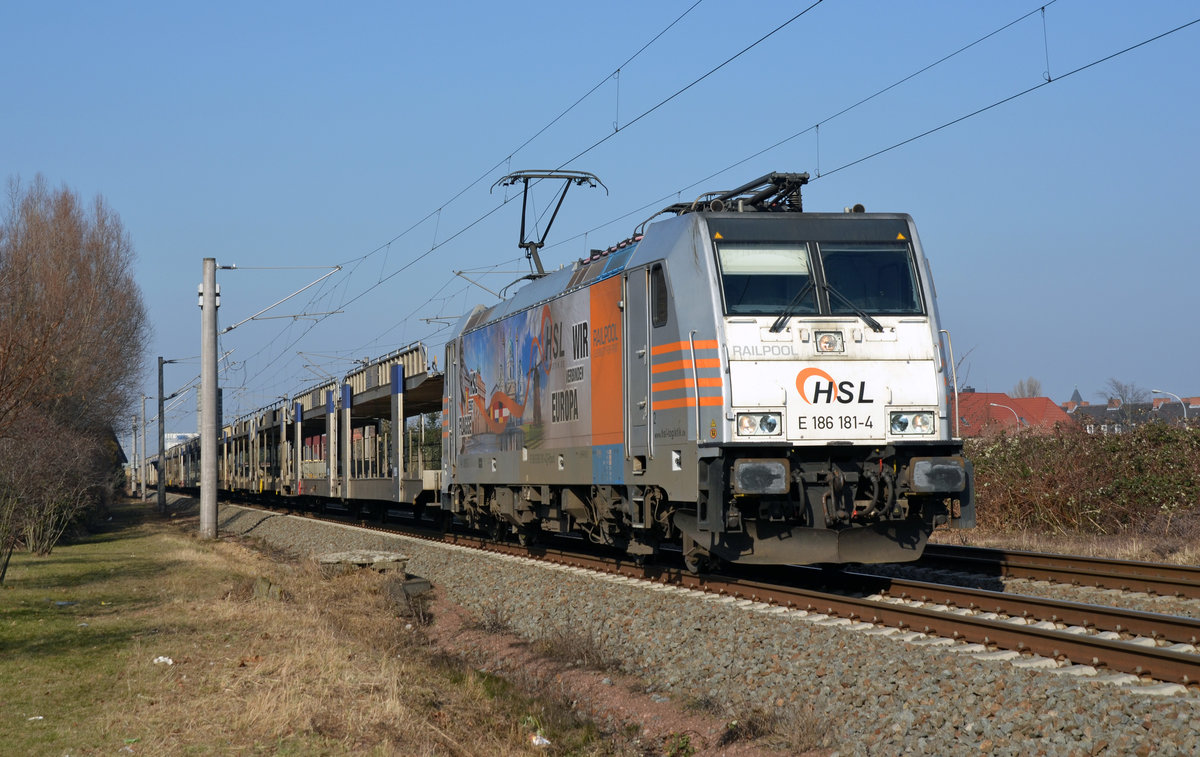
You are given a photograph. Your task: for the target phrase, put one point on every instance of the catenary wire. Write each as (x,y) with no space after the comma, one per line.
(693,83)
(658,202)
(353,263)
(1012,97)
(779,143)
(529,140)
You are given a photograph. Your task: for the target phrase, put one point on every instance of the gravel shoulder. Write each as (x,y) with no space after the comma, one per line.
(840,690)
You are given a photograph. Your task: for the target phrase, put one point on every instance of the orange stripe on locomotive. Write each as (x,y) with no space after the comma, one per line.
(608,396)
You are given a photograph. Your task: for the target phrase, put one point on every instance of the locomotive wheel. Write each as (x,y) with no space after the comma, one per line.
(491,528)
(530,534)
(695,559)
(443,520)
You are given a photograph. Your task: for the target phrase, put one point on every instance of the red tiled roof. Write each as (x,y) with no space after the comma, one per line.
(1041,411)
(977,415)
(1189,401)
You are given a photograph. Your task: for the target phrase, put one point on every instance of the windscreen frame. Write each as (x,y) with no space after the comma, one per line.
(816,232)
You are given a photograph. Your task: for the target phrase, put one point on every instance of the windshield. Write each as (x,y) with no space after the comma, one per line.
(875,278)
(765,278)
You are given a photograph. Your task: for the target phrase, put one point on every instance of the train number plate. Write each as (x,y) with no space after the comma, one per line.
(835,422)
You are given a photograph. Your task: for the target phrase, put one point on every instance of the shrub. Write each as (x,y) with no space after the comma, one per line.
(1073,482)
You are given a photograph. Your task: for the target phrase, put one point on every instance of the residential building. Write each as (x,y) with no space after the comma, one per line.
(980,413)
(1115,417)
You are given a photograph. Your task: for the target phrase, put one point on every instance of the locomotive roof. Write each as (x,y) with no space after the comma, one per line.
(775,195)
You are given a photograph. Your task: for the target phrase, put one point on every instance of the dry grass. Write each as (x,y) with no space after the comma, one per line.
(577,645)
(494,618)
(1182,547)
(792,728)
(328,668)
(571,642)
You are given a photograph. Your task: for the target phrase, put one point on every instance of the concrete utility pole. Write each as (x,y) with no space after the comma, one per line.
(210,300)
(143,468)
(209,303)
(161,465)
(134,469)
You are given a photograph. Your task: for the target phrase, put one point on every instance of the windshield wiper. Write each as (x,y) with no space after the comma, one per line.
(788,311)
(874,324)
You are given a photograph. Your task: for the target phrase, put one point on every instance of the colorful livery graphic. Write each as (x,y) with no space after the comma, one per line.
(543,378)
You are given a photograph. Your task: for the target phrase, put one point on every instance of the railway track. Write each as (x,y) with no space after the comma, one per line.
(1048,633)
(1124,575)
(1043,639)
(1080,617)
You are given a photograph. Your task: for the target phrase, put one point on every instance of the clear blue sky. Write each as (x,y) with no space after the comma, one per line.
(1059,225)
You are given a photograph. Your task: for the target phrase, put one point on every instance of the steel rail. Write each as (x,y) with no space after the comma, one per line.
(1124,575)
(1172,628)
(1157,662)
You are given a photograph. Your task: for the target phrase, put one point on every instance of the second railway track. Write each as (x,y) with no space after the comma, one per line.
(1124,575)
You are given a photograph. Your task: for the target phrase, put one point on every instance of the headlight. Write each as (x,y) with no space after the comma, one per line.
(829,341)
(909,422)
(759,424)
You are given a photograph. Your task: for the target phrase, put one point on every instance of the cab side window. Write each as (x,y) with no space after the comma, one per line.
(658,295)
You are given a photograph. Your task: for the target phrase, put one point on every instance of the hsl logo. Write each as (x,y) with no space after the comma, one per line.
(830,390)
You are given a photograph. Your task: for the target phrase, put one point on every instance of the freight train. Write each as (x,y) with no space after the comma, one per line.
(743,379)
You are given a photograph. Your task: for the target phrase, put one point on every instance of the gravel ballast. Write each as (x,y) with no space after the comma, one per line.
(866,690)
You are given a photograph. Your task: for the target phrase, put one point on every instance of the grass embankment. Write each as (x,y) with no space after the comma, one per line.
(325,668)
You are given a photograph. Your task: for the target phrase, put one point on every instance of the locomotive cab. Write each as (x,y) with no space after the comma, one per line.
(836,441)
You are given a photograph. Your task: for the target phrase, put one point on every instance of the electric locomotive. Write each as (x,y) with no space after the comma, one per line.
(762,384)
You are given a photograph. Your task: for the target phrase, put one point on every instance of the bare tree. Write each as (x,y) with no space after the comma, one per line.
(962,369)
(42,495)
(12,512)
(1127,395)
(72,322)
(1029,387)
(73,332)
